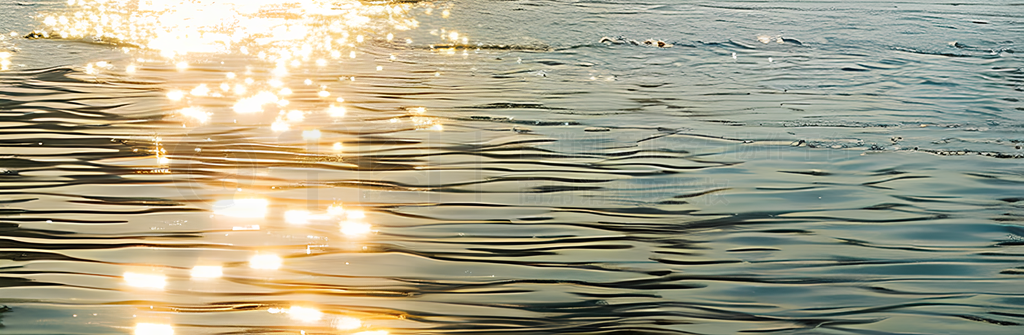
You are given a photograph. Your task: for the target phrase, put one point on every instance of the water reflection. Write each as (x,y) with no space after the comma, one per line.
(299,313)
(195,113)
(372,332)
(346,323)
(297,217)
(5,60)
(275,30)
(265,262)
(153,329)
(145,280)
(604,214)
(353,228)
(207,271)
(252,208)
(311,135)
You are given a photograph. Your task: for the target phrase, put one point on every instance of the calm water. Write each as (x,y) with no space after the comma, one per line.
(491,167)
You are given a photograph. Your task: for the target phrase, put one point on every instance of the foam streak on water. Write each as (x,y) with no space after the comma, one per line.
(494,167)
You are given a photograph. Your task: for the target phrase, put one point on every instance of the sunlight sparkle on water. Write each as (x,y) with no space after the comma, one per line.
(336,111)
(336,210)
(305,314)
(195,114)
(372,332)
(311,135)
(265,262)
(141,280)
(254,104)
(161,153)
(294,216)
(200,91)
(296,116)
(242,208)
(153,329)
(356,214)
(180,27)
(279,126)
(5,62)
(207,271)
(175,95)
(355,229)
(346,323)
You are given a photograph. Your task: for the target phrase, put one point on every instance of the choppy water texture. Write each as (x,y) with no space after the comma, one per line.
(783,167)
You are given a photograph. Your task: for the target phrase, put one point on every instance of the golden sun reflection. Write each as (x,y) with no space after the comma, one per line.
(336,209)
(148,281)
(195,114)
(153,329)
(279,30)
(311,135)
(298,217)
(353,228)
(355,215)
(303,217)
(175,95)
(265,262)
(336,111)
(207,271)
(161,153)
(281,35)
(242,208)
(5,61)
(304,314)
(353,225)
(346,323)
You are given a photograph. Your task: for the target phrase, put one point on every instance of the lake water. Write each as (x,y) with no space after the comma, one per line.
(494,167)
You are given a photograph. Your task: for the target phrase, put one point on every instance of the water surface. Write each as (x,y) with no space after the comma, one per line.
(338,167)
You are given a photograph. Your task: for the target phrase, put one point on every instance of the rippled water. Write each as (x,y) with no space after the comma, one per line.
(781,167)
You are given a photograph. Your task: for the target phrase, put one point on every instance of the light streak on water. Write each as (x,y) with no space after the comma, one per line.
(311,135)
(153,329)
(355,228)
(265,262)
(372,332)
(346,323)
(242,208)
(207,271)
(148,281)
(305,314)
(196,114)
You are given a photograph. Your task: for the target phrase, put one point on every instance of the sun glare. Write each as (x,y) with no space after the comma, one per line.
(305,314)
(346,323)
(265,262)
(207,271)
(148,281)
(281,29)
(242,208)
(153,329)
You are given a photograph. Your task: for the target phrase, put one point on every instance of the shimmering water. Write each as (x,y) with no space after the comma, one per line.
(492,167)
